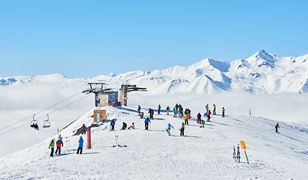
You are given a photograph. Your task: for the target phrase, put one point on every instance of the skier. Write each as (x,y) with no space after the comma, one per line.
(83,129)
(223,112)
(177,108)
(151,113)
(132,126)
(168,110)
(276,127)
(112,124)
(238,156)
(52,147)
(124,126)
(207,108)
(141,115)
(59,144)
(186,118)
(146,123)
(182,129)
(180,111)
(234,153)
(139,109)
(214,109)
(199,118)
(209,116)
(159,108)
(80,146)
(169,128)
(174,112)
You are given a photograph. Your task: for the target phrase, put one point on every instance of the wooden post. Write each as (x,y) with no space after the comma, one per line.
(89,146)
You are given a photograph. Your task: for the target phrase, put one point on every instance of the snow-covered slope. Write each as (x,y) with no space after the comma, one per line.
(204,153)
(260,73)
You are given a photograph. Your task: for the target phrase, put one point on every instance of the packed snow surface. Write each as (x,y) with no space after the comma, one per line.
(203,153)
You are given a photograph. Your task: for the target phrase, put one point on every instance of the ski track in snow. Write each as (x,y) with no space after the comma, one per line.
(204,153)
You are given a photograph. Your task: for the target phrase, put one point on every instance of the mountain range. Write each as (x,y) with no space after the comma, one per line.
(261,73)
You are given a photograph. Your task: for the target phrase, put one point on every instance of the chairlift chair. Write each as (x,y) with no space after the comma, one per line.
(46,123)
(34,123)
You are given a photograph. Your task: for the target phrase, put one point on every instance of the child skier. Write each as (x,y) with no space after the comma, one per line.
(59,144)
(169,128)
(146,123)
(182,129)
(186,118)
(80,145)
(52,147)
(132,126)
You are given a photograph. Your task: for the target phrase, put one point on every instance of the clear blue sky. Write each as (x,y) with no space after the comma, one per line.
(85,38)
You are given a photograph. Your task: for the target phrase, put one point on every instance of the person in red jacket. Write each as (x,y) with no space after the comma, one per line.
(209,115)
(59,144)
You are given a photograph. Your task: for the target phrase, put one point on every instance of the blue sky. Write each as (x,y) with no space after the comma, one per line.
(86,38)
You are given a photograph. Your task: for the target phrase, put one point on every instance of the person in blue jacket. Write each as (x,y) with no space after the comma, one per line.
(112,123)
(146,123)
(80,147)
(169,128)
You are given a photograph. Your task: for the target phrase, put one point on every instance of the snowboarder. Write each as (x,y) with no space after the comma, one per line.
(238,154)
(199,118)
(112,124)
(146,123)
(124,126)
(214,109)
(132,126)
(209,116)
(168,110)
(80,145)
(139,109)
(83,129)
(159,108)
(169,129)
(52,147)
(223,112)
(59,144)
(276,127)
(182,129)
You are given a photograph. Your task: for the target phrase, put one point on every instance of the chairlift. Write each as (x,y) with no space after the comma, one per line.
(46,122)
(34,123)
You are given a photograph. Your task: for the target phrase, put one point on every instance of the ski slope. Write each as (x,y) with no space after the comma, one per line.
(204,153)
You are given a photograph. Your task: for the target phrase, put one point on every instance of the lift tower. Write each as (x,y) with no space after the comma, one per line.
(125,89)
(96,88)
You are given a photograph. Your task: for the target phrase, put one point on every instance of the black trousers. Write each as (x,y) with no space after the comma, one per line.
(186,121)
(58,151)
(182,132)
(79,150)
(146,126)
(51,151)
